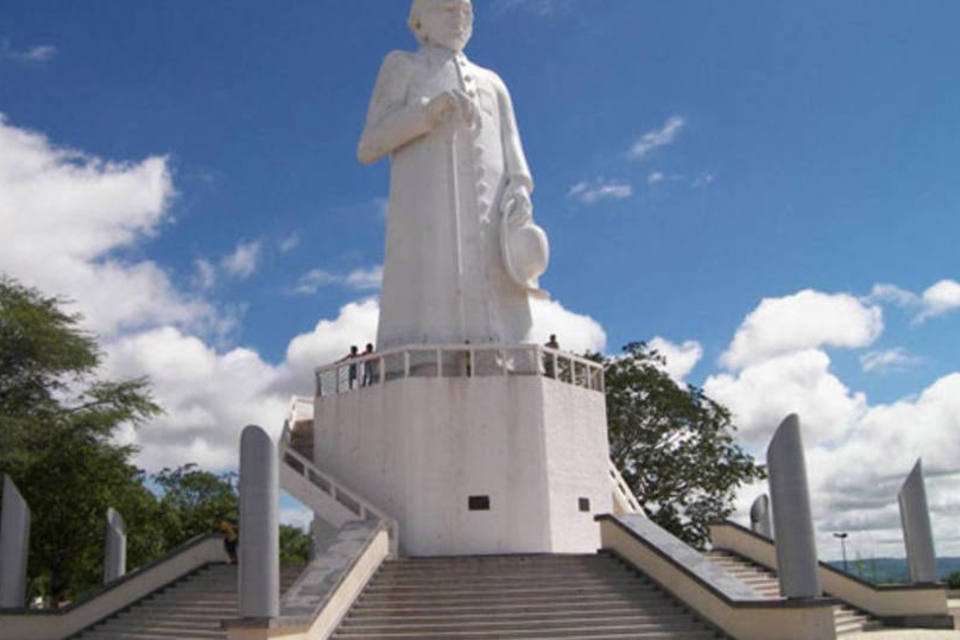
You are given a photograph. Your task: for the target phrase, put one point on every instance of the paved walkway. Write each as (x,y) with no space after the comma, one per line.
(903,634)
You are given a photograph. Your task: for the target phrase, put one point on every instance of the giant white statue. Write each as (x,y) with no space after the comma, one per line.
(463,255)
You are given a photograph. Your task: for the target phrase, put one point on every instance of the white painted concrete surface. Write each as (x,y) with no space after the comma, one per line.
(420,447)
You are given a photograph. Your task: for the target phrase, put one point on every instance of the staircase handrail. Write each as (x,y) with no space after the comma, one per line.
(335,489)
(622,490)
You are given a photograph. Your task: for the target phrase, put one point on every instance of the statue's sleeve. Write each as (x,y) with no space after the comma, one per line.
(391,122)
(514,158)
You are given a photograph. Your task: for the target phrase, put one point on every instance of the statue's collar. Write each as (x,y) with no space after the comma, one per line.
(438,55)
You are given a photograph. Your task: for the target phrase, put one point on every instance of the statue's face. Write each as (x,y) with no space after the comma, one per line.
(448,23)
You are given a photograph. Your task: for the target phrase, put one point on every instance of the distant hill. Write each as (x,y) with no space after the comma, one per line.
(892,570)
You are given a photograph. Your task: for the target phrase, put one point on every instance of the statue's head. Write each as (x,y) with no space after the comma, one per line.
(446,23)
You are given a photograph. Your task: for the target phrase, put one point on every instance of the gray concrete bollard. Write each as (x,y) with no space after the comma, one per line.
(760,516)
(115,547)
(917,531)
(14,547)
(792,519)
(259,557)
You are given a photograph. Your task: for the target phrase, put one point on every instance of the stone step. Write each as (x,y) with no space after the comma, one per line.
(191,608)
(186,608)
(151,628)
(425,615)
(570,633)
(489,562)
(514,621)
(178,617)
(540,573)
(577,596)
(107,633)
(501,586)
(530,597)
(517,607)
(174,599)
(540,627)
(495,563)
(847,619)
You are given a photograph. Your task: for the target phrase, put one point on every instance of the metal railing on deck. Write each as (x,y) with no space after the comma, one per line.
(458,361)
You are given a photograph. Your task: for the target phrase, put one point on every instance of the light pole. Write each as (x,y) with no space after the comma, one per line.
(843,547)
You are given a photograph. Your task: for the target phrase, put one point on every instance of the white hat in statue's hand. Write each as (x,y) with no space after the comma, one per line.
(526,252)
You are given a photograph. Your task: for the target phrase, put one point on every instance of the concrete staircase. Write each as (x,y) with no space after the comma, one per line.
(190,608)
(846,618)
(524,596)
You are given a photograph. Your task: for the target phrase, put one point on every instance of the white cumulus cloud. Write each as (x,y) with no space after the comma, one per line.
(575,332)
(937,300)
(242,263)
(703,180)
(801,382)
(36,53)
(64,216)
(330,340)
(885,292)
(804,320)
(600,189)
(206,274)
(855,485)
(681,358)
(208,397)
(657,138)
(888,360)
(363,279)
(289,243)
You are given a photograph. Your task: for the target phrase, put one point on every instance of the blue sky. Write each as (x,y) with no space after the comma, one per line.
(692,160)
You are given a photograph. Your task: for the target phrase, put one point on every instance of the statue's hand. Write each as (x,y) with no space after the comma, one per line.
(451,104)
(517,205)
(440,106)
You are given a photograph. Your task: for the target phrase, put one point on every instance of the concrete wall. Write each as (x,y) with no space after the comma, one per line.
(419,447)
(577,458)
(744,619)
(926,605)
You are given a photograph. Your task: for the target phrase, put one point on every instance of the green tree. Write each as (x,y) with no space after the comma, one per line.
(193,502)
(673,445)
(57,422)
(296,547)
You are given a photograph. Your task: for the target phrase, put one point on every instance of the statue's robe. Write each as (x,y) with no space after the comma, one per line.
(444,279)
